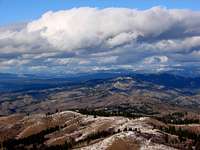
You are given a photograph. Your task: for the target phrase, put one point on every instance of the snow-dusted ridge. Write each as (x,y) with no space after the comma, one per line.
(126,132)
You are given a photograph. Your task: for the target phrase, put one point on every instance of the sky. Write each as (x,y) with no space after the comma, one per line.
(12,11)
(63,36)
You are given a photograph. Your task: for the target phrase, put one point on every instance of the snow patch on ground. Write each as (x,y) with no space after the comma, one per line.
(121,123)
(144,143)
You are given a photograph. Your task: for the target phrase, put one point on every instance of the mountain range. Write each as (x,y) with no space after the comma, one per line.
(29,93)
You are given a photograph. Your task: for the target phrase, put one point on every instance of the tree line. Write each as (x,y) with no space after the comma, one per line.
(177,118)
(183,135)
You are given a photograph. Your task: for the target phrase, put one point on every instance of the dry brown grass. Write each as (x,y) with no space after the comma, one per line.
(124,144)
(104,126)
(12,119)
(30,130)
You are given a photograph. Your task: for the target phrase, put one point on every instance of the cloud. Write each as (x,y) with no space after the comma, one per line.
(87,39)
(156,59)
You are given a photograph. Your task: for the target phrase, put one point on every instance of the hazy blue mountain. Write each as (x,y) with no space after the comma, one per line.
(15,82)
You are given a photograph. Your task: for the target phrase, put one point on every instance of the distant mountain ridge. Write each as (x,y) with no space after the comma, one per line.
(15,82)
(141,93)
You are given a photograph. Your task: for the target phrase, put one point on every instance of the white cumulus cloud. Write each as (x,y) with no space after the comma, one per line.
(90,38)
